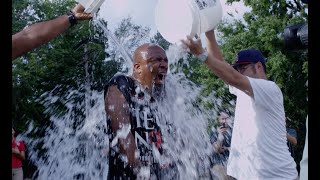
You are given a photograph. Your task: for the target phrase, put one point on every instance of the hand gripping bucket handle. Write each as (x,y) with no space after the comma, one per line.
(91,6)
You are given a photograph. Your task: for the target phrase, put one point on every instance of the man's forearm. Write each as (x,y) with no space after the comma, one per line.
(37,34)
(212,45)
(128,147)
(221,69)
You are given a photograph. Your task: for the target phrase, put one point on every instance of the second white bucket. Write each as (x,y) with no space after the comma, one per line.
(175,19)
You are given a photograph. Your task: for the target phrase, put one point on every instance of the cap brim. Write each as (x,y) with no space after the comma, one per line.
(240,63)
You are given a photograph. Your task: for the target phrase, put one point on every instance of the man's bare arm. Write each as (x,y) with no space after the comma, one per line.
(37,34)
(212,45)
(42,32)
(217,65)
(117,108)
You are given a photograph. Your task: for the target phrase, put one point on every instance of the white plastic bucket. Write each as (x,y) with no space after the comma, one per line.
(175,19)
(91,6)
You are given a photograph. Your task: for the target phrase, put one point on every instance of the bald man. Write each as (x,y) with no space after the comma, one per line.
(132,126)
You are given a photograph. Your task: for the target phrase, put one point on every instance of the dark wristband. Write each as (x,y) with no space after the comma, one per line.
(72,18)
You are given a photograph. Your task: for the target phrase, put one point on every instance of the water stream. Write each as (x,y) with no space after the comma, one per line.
(75,145)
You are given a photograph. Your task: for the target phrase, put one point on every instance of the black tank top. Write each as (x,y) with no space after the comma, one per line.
(144,128)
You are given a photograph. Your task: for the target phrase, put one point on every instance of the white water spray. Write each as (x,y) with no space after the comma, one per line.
(75,145)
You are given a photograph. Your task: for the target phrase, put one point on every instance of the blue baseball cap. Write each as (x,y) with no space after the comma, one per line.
(249,56)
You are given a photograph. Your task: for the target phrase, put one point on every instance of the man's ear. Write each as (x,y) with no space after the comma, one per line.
(260,66)
(137,68)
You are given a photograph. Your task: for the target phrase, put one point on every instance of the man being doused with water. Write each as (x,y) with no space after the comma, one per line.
(133,127)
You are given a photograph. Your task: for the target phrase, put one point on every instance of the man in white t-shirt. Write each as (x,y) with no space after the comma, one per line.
(259,140)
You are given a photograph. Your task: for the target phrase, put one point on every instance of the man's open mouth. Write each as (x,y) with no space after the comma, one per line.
(160,78)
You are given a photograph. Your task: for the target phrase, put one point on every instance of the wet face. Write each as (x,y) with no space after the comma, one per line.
(155,65)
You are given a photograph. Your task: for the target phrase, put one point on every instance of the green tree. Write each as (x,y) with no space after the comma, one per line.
(158,39)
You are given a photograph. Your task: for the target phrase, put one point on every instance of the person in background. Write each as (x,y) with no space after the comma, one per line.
(40,33)
(292,137)
(18,155)
(259,139)
(221,141)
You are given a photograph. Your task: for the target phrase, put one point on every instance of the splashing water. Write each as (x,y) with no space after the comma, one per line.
(188,143)
(123,51)
(76,148)
(75,145)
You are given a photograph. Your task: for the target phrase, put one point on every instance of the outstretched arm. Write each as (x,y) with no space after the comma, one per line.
(212,45)
(216,63)
(117,108)
(42,32)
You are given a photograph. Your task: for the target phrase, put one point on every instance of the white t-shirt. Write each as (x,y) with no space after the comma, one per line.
(259,142)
